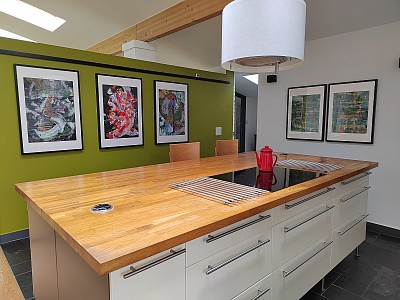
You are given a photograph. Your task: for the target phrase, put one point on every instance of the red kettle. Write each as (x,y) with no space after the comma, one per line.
(265,161)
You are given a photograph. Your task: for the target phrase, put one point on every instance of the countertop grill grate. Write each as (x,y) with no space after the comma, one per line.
(218,190)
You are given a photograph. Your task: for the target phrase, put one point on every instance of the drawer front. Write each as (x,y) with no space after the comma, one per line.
(259,291)
(294,207)
(300,232)
(347,237)
(299,275)
(161,276)
(230,271)
(219,240)
(350,205)
(352,182)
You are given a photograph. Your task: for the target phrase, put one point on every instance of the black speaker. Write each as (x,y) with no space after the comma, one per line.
(272,78)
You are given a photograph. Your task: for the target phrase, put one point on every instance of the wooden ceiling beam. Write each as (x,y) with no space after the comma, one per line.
(182,15)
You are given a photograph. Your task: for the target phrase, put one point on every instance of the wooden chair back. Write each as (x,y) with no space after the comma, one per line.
(184,151)
(224,147)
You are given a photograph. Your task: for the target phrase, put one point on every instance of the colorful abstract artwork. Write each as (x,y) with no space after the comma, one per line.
(49,109)
(120,111)
(351,111)
(305,116)
(171,112)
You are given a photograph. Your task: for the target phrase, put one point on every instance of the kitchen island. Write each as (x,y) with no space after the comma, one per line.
(77,254)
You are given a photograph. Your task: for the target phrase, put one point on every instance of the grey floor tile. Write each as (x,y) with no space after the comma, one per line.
(359,269)
(349,283)
(21,268)
(330,278)
(313,296)
(24,279)
(17,252)
(386,285)
(381,256)
(336,293)
(27,291)
(387,242)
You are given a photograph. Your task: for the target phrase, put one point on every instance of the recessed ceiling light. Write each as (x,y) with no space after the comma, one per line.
(253,78)
(10,35)
(30,14)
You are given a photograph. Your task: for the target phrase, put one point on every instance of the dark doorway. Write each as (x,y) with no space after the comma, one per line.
(239,120)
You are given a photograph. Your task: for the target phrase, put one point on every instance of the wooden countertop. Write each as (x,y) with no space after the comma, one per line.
(148,216)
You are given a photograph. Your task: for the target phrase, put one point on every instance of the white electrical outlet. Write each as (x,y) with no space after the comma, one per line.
(218,130)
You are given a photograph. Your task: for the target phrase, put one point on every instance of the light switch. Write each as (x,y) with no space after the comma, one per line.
(218,130)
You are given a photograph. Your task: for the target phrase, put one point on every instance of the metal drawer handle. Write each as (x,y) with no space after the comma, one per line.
(289,206)
(360,192)
(228,261)
(155,263)
(325,245)
(289,228)
(356,178)
(261,293)
(212,238)
(341,232)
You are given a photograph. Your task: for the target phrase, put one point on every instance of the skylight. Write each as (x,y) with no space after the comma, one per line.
(7,34)
(253,78)
(31,14)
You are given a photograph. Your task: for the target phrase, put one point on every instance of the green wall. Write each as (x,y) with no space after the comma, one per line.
(210,105)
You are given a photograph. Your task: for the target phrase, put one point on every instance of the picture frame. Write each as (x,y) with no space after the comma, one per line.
(171,112)
(305,118)
(48,109)
(120,114)
(351,111)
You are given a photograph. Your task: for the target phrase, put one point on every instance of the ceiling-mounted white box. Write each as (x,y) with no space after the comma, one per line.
(139,50)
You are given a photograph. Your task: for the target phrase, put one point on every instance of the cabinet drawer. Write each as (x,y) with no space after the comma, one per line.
(347,237)
(259,291)
(231,271)
(300,232)
(352,182)
(294,207)
(216,241)
(350,205)
(299,275)
(161,276)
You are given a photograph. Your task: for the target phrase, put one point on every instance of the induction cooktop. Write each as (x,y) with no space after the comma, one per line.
(279,179)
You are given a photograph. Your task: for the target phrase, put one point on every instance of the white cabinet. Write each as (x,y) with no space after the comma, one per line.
(292,280)
(296,206)
(228,273)
(212,243)
(161,276)
(259,291)
(300,232)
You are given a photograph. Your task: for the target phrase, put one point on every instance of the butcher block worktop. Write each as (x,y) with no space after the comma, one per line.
(149,216)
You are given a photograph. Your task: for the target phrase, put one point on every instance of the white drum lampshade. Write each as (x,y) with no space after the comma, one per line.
(258,35)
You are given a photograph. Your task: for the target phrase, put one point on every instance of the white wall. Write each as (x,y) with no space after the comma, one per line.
(365,54)
(251,122)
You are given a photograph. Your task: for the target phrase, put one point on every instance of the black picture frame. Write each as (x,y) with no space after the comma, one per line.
(171,112)
(305,114)
(351,111)
(49,109)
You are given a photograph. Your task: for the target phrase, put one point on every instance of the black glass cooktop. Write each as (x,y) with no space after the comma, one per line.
(279,179)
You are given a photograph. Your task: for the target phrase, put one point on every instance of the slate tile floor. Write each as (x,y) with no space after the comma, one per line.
(373,276)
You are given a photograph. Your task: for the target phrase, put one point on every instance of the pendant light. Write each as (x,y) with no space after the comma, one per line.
(263,35)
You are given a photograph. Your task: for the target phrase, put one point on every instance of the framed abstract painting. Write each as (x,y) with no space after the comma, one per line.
(49,109)
(351,111)
(171,112)
(305,112)
(120,111)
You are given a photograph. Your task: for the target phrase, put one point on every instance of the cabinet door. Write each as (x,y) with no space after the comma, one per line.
(300,232)
(350,205)
(294,207)
(259,291)
(231,271)
(161,276)
(347,237)
(295,278)
(212,243)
